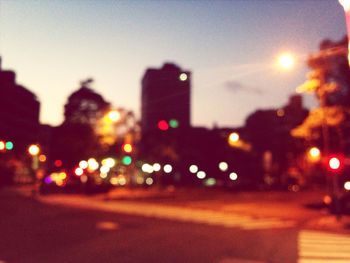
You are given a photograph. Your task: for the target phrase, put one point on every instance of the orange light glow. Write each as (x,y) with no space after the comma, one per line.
(314,154)
(42,158)
(114,116)
(127,148)
(234,137)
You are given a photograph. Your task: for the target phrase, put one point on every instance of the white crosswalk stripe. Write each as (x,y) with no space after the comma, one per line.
(322,247)
(185,214)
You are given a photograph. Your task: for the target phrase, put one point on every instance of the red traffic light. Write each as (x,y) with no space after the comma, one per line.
(163,125)
(335,163)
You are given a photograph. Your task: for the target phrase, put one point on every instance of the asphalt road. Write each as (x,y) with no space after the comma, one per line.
(31,231)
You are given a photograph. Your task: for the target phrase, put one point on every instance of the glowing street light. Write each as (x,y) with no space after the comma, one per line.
(286,61)
(314,154)
(113,116)
(233,137)
(33,150)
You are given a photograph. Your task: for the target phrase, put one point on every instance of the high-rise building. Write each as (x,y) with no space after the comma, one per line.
(166,100)
(19,111)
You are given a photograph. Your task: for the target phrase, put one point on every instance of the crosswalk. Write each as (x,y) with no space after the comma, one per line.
(177,213)
(322,247)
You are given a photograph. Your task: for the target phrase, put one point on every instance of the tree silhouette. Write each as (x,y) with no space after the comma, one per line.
(85,106)
(329,81)
(76,139)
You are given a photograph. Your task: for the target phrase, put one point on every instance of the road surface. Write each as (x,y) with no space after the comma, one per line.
(87,229)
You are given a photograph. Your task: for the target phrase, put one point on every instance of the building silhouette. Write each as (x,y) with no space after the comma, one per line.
(166,98)
(19,111)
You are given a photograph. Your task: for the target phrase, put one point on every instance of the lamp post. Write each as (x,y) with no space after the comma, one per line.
(318,85)
(34,151)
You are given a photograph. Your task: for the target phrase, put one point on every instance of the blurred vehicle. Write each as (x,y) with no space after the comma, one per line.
(59,181)
(341,204)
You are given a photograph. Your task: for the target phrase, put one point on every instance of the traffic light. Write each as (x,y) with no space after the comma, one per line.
(127,147)
(335,163)
(173,123)
(2,146)
(9,145)
(126,160)
(163,125)
(6,146)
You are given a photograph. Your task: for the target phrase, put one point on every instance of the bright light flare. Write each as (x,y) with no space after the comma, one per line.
(78,171)
(114,116)
(2,145)
(201,175)
(104,169)
(347,185)
(183,77)
(193,168)
(110,162)
(157,167)
(167,168)
(147,168)
(334,163)
(33,150)
(314,154)
(223,166)
(83,164)
(127,148)
(233,176)
(92,165)
(233,137)
(286,61)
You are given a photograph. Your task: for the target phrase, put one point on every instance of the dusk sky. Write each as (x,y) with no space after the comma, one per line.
(228,45)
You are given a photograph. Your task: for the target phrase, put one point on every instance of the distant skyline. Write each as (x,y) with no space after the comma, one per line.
(229,46)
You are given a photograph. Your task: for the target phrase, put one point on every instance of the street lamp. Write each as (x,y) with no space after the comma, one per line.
(233,137)
(314,154)
(235,141)
(113,116)
(286,61)
(34,151)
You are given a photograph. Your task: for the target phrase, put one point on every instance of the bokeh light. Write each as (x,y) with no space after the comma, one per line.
(193,168)
(233,176)
(223,166)
(201,175)
(167,168)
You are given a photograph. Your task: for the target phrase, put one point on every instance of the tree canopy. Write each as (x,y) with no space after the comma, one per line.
(85,106)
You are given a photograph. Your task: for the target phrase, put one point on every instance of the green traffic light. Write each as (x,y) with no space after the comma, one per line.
(9,145)
(173,123)
(127,160)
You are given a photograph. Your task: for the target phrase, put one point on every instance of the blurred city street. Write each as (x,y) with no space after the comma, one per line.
(169,225)
(175,131)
